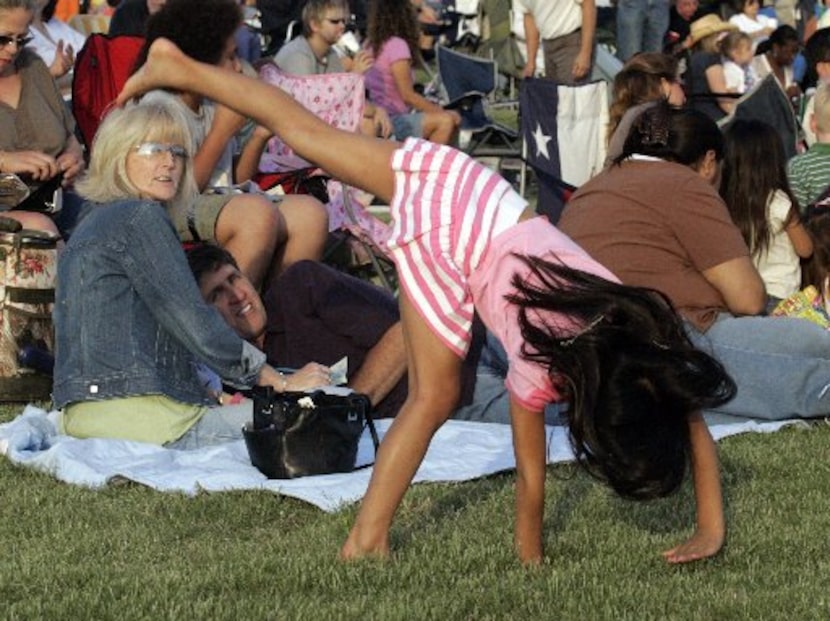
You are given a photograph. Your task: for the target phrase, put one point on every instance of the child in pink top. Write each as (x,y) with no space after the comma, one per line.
(463,242)
(379,79)
(392,38)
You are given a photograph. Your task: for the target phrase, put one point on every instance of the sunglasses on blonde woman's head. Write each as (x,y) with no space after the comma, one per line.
(155,149)
(19,40)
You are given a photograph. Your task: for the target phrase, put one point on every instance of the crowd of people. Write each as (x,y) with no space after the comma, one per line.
(179,286)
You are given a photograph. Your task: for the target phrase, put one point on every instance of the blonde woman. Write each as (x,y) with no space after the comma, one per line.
(130,323)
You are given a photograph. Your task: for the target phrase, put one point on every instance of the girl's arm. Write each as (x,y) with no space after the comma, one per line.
(800,238)
(403,82)
(529,448)
(710,530)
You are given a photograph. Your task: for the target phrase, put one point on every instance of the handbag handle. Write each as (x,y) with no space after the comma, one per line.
(372,431)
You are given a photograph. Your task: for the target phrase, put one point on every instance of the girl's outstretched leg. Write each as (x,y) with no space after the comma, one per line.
(358,160)
(434,387)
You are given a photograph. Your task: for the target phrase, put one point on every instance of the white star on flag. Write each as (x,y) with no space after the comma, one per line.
(541,140)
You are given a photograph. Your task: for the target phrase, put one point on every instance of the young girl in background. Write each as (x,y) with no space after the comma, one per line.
(750,20)
(757,192)
(464,241)
(736,57)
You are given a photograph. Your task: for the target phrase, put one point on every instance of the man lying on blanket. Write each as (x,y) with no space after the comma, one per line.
(315,313)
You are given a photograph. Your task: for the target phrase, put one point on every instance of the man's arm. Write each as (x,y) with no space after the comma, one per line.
(740,285)
(710,530)
(383,367)
(532,41)
(582,63)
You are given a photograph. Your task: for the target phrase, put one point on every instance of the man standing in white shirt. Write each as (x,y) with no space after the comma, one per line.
(566,29)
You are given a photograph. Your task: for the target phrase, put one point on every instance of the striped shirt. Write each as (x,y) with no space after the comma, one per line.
(446,209)
(809,174)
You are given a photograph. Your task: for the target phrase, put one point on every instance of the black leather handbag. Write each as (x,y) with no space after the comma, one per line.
(296,434)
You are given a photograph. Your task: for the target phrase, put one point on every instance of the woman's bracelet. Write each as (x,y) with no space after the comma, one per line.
(284,379)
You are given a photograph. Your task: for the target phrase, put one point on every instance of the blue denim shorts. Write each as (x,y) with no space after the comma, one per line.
(408,125)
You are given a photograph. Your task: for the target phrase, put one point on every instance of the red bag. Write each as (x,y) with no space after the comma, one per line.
(101,69)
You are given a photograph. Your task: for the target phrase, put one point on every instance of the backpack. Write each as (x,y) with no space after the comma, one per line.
(101,69)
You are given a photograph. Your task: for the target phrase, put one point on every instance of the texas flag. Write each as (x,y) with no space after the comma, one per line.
(563,128)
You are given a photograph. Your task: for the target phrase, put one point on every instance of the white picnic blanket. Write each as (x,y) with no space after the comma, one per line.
(460,451)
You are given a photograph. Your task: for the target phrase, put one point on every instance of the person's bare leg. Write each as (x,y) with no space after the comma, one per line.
(307,228)
(358,160)
(434,386)
(251,228)
(439,127)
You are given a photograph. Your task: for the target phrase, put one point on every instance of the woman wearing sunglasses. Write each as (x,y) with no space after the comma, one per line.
(37,139)
(130,323)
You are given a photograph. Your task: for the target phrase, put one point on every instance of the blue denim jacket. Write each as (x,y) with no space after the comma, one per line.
(129,318)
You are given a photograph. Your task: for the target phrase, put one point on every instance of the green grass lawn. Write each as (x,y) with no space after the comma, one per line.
(126,552)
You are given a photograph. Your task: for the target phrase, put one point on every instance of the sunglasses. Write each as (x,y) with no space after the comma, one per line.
(19,40)
(155,149)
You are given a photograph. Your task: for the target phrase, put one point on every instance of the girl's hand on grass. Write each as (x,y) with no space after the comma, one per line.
(700,545)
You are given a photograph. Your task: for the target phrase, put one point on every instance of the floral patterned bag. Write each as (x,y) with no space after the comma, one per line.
(28,265)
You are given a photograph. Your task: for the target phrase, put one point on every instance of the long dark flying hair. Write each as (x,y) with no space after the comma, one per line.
(754,167)
(631,375)
(393,18)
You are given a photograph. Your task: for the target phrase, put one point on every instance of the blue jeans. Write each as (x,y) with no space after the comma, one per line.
(781,365)
(218,425)
(641,26)
(491,401)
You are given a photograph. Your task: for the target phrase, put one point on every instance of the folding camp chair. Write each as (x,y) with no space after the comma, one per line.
(499,43)
(338,100)
(552,116)
(468,82)
(101,68)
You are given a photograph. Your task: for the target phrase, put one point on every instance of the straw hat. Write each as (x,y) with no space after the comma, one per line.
(708,25)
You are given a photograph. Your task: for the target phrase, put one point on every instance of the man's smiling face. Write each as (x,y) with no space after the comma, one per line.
(236,299)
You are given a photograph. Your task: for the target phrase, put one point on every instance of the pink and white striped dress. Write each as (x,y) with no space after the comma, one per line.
(455,239)
(446,209)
